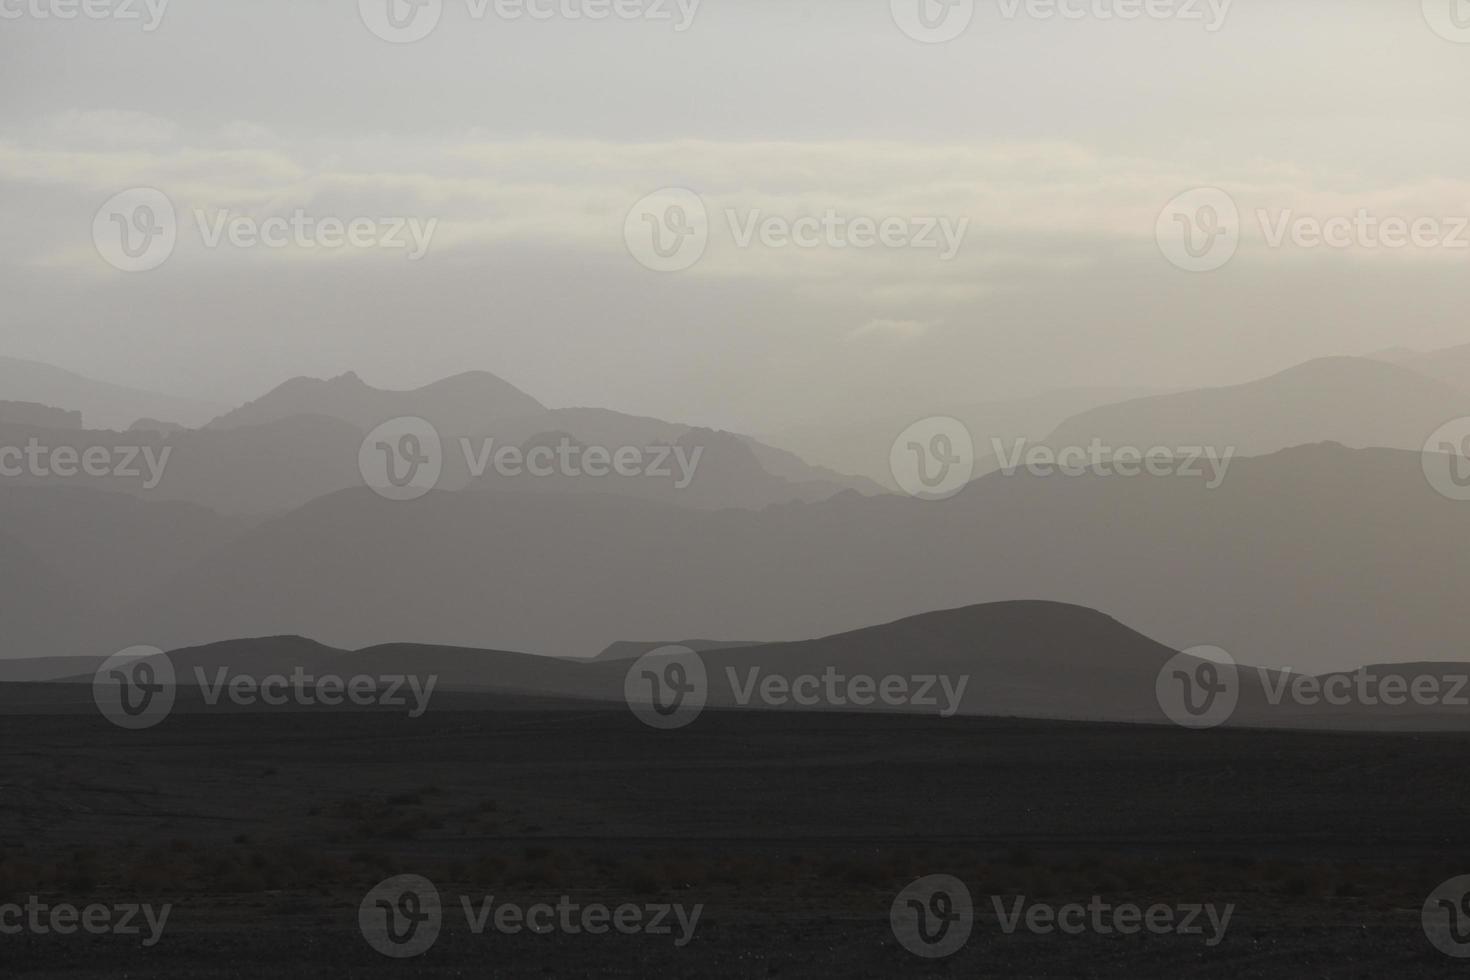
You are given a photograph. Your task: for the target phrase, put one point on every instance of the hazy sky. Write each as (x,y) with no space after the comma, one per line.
(1058,140)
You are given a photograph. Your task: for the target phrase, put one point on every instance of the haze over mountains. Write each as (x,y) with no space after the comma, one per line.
(1324,548)
(103,405)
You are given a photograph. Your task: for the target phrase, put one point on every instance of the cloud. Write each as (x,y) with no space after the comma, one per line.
(892,330)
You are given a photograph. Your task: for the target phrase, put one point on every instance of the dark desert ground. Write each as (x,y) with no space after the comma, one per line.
(795,831)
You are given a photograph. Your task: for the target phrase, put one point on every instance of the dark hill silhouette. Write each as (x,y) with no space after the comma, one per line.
(1019,659)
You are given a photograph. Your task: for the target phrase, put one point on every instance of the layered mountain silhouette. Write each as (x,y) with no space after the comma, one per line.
(1314,557)
(103,405)
(1022,659)
(862,446)
(458,405)
(1317,557)
(1358,402)
(302,440)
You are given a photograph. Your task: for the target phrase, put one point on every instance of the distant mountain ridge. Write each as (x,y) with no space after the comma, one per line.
(1017,659)
(103,405)
(460,404)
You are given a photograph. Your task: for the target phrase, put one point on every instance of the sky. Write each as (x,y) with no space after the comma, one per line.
(1051,143)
